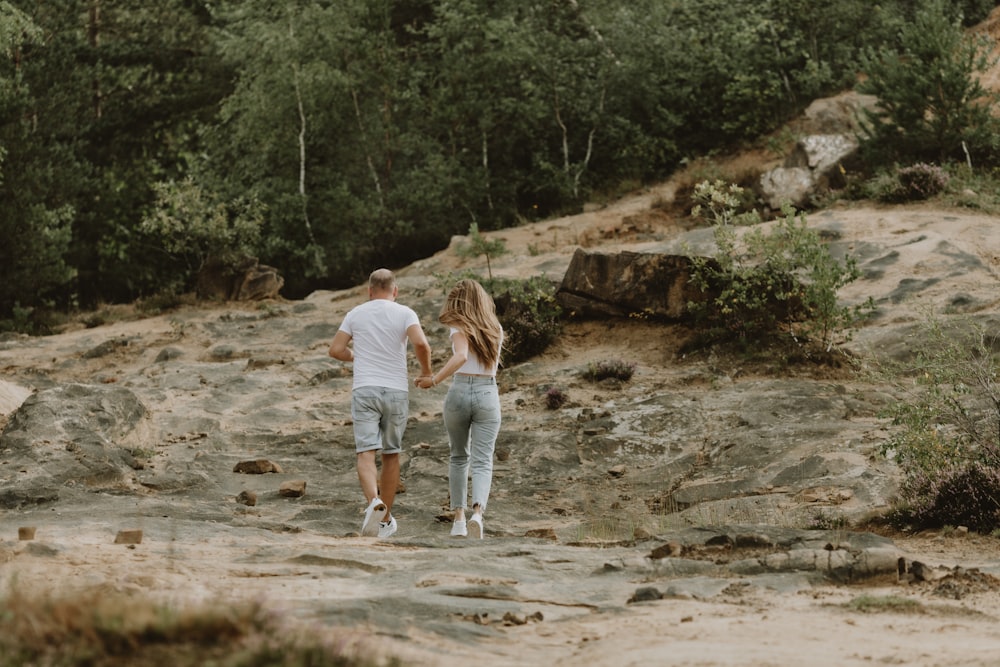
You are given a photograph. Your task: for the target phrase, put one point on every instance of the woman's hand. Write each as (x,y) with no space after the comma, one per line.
(424,381)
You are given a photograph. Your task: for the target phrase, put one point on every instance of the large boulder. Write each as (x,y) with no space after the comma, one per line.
(11,397)
(248,281)
(813,167)
(620,284)
(829,128)
(73,435)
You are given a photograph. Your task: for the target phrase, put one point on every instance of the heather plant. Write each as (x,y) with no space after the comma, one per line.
(555,398)
(946,428)
(609,369)
(912,183)
(922,180)
(759,284)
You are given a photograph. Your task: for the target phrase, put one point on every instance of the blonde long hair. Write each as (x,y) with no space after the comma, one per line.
(471,310)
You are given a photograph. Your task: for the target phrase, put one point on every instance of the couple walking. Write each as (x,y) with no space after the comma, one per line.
(374,337)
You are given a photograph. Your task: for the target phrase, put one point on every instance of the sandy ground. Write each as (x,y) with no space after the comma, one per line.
(338,583)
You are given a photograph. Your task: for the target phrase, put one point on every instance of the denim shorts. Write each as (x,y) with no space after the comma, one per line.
(379,416)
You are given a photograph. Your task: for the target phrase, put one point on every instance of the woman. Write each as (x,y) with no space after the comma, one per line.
(472,406)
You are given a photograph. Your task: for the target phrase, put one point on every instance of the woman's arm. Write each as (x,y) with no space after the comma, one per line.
(460,353)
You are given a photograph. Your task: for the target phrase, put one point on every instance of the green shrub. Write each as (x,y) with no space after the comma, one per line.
(759,285)
(195,227)
(530,316)
(944,427)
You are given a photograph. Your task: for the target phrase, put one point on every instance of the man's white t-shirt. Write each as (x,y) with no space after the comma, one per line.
(378,328)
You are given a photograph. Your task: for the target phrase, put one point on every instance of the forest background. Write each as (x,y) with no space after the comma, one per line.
(139,140)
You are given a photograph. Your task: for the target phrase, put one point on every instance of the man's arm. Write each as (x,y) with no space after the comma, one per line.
(420,347)
(339,349)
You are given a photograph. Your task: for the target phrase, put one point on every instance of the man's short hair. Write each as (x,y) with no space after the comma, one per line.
(381,280)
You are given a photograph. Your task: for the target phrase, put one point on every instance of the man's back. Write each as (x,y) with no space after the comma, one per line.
(378,328)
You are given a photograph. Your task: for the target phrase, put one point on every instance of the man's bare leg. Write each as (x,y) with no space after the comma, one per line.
(368,475)
(389,481)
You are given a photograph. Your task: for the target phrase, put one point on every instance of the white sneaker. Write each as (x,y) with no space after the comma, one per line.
(458,529)
(387,528)
(476,526)
(374,513)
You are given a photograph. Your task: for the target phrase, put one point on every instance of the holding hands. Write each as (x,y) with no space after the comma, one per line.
(425,381)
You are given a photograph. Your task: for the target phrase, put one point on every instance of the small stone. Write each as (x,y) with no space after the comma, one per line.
(543,533)
(25,533)
(670,549)
(248,498)
(257,467)
(293,488)
(645,594)
(128,537)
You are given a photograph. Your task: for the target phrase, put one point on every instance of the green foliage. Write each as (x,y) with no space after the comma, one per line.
(932,105)
(479,245)
(614,369)
(191,223)
(374,131)
(529,314)
(946,427)
(760,285)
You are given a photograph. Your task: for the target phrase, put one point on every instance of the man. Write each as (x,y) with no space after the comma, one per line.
(380,329)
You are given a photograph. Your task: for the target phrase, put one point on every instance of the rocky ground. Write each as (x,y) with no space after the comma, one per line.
(664,519)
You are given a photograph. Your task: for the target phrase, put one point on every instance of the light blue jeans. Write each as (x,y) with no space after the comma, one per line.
(472,419)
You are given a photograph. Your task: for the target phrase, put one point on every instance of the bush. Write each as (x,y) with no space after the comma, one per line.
(613,369)
(530,316)
(759,285)
(944,426)
(194,226)
(963,496)
(922,180)
(916,182)
(555,398)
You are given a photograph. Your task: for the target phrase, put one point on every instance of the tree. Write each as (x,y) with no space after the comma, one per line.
(36,233)
(932,106)
(112,96)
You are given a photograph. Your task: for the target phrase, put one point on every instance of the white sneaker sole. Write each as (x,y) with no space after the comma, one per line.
(374,513)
